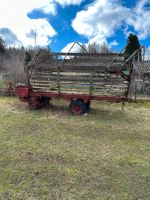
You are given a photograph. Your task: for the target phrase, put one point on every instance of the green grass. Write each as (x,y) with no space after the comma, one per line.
(52,155)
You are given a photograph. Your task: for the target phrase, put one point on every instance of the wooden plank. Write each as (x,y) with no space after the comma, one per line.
(81,70)
(85,54)
(80,79)
(102,92)
(77,74)
(108,90)
(74,91)
(76,66)
(94,88)
(87,62)
(93,84)
(82,59)
(80,86)
(107,94)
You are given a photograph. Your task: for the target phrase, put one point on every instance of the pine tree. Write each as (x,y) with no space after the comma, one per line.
(132,45)
(27,58)
(2,46)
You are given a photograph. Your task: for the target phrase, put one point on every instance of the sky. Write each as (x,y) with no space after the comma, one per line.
(59,23)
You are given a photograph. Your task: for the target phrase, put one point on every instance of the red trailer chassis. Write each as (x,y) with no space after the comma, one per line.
(79,103)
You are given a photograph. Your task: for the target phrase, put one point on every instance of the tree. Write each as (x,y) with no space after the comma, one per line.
(93,47)
(13,64)
(2,46)
(132,45)
(83,49)
(27,58)
(104,48)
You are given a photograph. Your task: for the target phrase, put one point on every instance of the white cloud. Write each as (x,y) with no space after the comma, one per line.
(140,19)
(69,2)
(98,21)
(9,36)
(102,18)
(14,19)
(13,16)
(114,43)
(76,48)
(98,39)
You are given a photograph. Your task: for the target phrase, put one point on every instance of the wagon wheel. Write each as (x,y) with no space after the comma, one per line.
(77,107)
(39,102)
(34,103)
(45,102)
(88,105)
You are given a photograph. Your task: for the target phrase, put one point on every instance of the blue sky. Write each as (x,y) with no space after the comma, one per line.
(62,24)
(58,23)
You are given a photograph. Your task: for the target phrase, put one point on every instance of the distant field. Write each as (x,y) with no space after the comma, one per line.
(52,155)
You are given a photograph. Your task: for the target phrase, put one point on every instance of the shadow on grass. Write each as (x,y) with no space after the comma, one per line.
(98,112)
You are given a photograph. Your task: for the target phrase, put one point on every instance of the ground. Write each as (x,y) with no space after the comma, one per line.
(52,155)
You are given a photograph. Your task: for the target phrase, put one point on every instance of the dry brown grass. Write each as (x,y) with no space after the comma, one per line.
(50,154)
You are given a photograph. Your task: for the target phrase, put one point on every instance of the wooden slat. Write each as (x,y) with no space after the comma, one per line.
(75,75)
(84,54)
(84,59)
(76,66)
(81,60)
(76,91)
(80,79)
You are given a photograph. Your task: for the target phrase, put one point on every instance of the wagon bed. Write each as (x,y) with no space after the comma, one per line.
(77,77)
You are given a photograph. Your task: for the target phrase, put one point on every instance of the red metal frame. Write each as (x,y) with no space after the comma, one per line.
(26,94)
(84,97)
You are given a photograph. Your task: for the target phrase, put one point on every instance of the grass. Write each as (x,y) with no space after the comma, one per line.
(50,154)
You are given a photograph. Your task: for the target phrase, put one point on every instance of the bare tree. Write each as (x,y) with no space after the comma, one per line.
(83,49)
(104,48)
(95,48)
(13,64)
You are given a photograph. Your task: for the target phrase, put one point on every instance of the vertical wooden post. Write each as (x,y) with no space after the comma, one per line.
(122,104)
(49,83)
(135,95)
(58,80)
(91,82)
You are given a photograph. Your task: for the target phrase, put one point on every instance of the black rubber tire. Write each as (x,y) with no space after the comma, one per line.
(34,106)
(77,107)
(44,101)
(34,103)
(88,105)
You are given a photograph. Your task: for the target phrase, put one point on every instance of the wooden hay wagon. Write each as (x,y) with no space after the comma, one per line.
(77,77)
